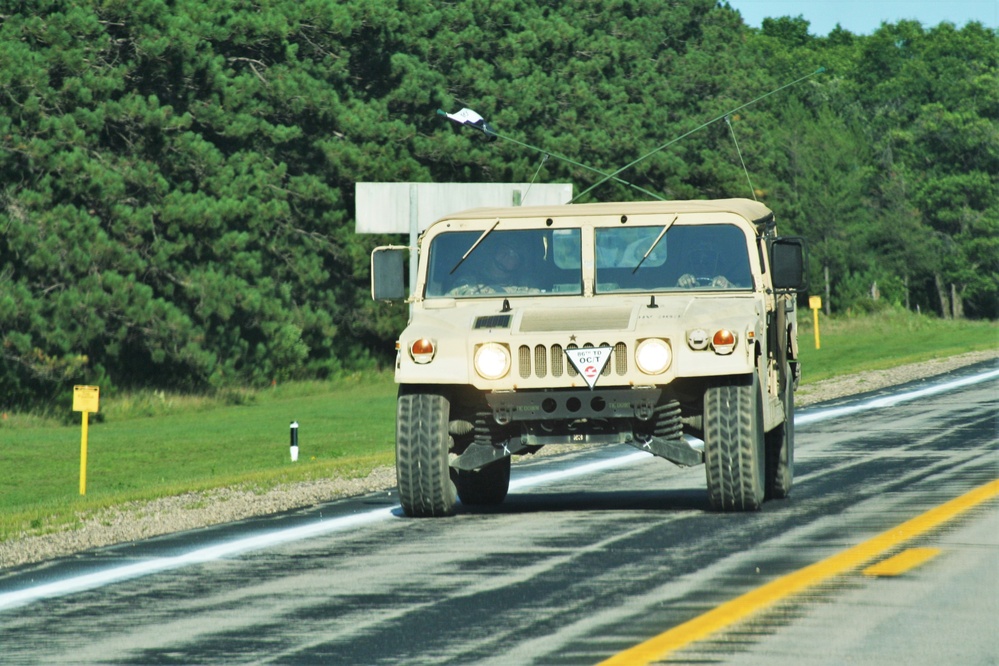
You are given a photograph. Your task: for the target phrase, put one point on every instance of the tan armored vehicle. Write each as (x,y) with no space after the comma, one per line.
(669,326)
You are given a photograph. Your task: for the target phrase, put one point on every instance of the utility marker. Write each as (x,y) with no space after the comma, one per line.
(86,399)
(815,304)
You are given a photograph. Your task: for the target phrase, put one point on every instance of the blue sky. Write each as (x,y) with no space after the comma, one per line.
(863,17)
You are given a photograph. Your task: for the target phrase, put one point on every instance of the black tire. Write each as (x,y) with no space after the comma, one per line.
(485,486)
(421,453)
(780,444)
(734,455)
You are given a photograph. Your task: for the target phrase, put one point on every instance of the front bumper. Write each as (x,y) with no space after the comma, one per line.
(572,404)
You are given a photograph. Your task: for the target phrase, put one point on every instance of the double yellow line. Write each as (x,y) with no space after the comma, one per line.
(740,608)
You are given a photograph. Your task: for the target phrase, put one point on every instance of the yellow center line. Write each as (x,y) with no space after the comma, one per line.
(904,561)
(740,608)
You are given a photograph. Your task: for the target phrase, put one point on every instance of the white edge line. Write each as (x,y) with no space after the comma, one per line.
(212,553)
(892,400)
(220,551)
(119,573)
(582,470)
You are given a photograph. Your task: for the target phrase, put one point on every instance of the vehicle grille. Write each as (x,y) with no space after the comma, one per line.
(541,361)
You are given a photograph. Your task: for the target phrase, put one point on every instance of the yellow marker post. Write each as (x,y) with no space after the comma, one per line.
(86,399)
(815,303)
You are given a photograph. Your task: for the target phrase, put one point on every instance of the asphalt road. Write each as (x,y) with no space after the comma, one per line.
(594,553)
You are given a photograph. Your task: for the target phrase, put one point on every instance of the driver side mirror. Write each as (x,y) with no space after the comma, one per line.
(388,273)
(789,264)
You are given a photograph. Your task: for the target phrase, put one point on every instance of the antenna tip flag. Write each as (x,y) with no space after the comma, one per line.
(468,117)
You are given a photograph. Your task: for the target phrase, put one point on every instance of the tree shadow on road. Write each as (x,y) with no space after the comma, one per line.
(661,501)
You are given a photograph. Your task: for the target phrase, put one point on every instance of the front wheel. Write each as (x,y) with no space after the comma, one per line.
(421,453)
(733,445)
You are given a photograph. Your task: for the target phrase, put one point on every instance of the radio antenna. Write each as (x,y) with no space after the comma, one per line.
(752,190)
(696,129)
(468,117)
(472,119)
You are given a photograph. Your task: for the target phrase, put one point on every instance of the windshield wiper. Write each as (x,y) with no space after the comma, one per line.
(654,243)
(474,245)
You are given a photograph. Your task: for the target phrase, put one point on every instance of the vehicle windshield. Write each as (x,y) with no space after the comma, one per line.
(521,262)
(712,256)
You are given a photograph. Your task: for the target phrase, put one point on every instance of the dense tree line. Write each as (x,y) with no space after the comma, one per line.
(176,201)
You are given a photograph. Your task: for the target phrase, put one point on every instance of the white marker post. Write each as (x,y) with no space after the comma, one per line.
(294,441)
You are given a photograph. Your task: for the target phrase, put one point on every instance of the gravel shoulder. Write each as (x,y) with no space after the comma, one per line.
(840,387)
(141,520)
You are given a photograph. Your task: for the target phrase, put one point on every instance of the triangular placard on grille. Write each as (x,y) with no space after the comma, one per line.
(589,362)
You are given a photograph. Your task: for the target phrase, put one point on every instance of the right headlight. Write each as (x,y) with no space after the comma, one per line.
(492,360)
(653,356)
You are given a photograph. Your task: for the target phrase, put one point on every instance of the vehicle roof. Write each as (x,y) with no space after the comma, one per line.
(750,210)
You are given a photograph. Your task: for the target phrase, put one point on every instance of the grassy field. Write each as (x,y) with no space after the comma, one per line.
(346,428)
(150,445)
(850,345)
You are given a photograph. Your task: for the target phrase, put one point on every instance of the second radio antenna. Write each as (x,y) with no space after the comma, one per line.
(472,119)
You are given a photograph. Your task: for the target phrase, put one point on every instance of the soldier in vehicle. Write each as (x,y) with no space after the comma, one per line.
(500,269)
(703,268)
(504,268)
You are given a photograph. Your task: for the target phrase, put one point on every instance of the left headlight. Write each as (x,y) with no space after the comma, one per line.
(492,360)
(653,356)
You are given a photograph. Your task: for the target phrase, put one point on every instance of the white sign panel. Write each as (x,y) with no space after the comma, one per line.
(589,362)
(399,208)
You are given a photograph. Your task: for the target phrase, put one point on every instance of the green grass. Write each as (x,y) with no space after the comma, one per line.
(149,444)
(346,429)
(851,345)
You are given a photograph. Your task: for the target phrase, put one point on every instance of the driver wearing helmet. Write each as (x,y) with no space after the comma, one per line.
(703,269)
(501,271)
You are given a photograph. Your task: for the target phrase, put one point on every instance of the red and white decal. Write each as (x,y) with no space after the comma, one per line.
(589,362)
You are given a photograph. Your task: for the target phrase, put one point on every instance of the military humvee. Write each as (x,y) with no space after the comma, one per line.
(669,326)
